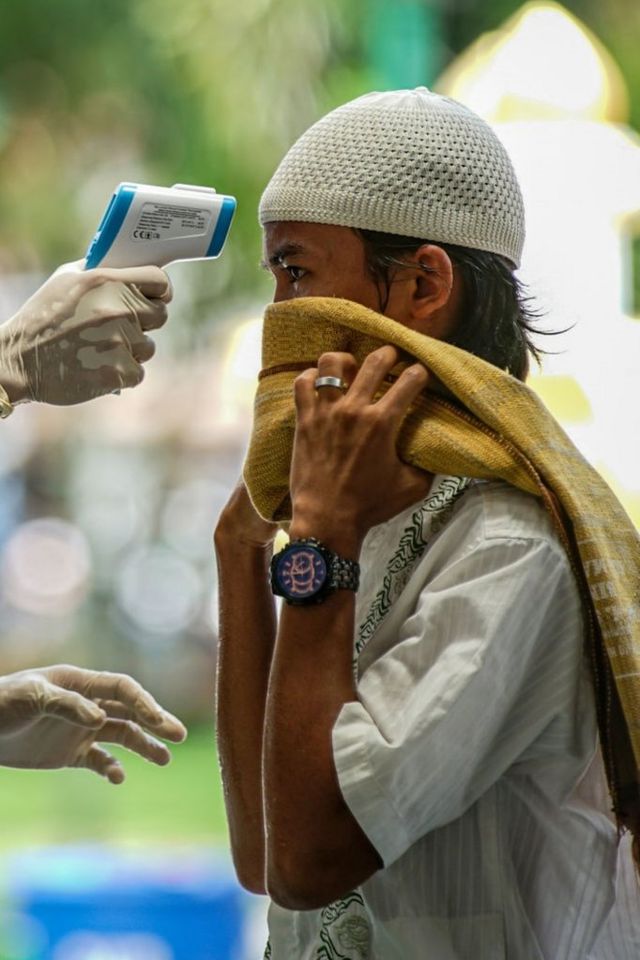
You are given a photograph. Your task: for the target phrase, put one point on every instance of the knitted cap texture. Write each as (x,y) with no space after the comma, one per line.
(409,162)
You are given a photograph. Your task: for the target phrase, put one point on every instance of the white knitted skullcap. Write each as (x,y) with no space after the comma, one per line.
(408,162)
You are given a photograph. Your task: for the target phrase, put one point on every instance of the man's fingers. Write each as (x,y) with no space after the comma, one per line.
(407,388)
(336,364)
(371,374)
(130,735)
(304,392)
(72,707)
(102,763)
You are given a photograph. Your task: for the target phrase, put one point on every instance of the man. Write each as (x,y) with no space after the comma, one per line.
(433,801)
(81,335)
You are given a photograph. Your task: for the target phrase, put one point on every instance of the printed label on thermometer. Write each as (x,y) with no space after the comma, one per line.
(164,221)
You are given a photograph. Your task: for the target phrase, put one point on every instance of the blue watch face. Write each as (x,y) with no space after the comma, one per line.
(301,572)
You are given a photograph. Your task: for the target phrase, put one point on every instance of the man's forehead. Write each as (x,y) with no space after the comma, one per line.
(285,239)
(283,248)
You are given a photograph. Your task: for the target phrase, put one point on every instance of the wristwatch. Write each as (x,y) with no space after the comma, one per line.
(306,572)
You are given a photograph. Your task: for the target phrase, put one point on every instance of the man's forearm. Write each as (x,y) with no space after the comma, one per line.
(316,851)
(247,633)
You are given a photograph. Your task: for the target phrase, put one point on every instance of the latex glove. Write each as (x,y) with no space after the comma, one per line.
(56,716)
(82,334)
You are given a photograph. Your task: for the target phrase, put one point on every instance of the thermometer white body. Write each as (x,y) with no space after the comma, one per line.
(145,225)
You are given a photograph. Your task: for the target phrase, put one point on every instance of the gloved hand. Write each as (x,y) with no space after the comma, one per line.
(55,716)
(82,334)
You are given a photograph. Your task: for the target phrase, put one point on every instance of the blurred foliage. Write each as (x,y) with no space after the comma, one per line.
(201,91)
(180,803)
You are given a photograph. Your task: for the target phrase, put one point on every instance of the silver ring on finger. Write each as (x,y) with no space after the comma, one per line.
(336,382)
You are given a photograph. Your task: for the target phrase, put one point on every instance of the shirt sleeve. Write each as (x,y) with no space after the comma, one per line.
(487,660)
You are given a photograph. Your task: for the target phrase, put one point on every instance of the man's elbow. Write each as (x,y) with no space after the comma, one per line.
(298,893)
(299,890)
(251,883)
(250,874)
(310,882)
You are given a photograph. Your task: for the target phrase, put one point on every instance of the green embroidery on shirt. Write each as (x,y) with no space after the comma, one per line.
(345,932)
(353,933)
(438,508)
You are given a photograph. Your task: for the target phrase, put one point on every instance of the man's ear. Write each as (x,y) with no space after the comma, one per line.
(433,298)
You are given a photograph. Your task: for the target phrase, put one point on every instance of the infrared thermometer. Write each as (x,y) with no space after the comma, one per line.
(145,225)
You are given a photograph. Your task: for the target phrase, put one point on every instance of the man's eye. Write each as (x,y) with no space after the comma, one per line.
(294,273)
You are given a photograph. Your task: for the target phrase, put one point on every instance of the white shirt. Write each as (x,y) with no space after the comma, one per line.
(464,757)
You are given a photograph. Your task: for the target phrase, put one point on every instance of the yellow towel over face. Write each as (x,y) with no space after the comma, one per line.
(493,426)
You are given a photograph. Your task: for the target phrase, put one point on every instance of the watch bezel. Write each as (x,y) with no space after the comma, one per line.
(325,587)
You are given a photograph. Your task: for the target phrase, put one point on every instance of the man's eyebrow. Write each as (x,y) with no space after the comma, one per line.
(287,249)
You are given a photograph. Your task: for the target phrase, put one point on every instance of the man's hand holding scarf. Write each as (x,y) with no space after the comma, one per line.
(346,475)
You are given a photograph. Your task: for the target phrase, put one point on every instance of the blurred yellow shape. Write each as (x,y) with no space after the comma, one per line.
(542,64)
(563,396)
(240,369)
(629,498)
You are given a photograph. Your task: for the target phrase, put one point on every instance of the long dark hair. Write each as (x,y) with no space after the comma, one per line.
(496,318)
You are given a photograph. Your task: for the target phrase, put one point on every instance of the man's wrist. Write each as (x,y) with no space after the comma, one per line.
(233,547)
(341,538)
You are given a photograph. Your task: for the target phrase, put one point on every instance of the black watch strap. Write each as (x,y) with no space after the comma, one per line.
(345,574)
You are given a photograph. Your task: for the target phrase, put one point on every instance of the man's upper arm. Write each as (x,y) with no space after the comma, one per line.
(487,659)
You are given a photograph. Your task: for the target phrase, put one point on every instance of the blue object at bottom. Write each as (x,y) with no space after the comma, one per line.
(98,904)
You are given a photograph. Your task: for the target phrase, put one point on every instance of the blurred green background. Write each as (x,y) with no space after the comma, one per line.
(106,512)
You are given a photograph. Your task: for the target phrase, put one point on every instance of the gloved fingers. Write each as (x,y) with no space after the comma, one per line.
(116,371)
(153,316)
(102,763)
(128,734)
(121,369)
(115,343)
(150,314)
(103,306)
(55,701)
(123,689)
(116,710)
(152,282)
(74,266)
(143,350)
(27,696)
(141,347)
